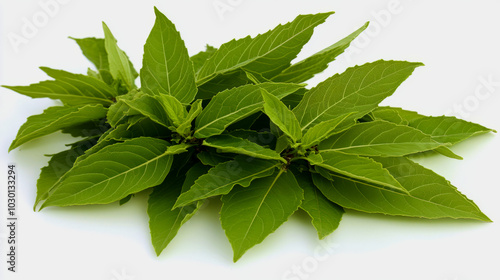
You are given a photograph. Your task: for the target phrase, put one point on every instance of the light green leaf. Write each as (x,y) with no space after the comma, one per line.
(325,214)
(54,119)
(200,58)
(119,64)
(184,128)
(249,215)
(325,129)
(255,77)
(359,89)
(164,223)
(395,115)
(231,144)
(430,195)
(316,63)
(115,172)
(357,168)
(166,68)
(221,179)
(281,116)
(267,54)
(176,112)
(235,104)
(380,138)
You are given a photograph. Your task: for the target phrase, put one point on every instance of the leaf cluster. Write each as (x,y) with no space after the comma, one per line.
(237,122)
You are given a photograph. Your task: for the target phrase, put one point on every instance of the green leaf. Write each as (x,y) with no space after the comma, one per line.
(119,64)
(222,178)
(95,51)
(176,112)
(292,100)
(71,89)
(356,168)
(325,214)
(395,115)
(212,158)
(200,58)
(164,223)
(87,129)
(249,215)
(231,144)
(359,89)
(54,119)
(267,54)
(235,104)
(442,129)
(380,138)
(58,165)
(125,199)
(263,138)
(448,129)
(281,116)
(316,63)
(153,107)
(88,86)
(184,129)
(144,127)
(430,195)
(115,172)
(221,83)
(325,129)
(166,68)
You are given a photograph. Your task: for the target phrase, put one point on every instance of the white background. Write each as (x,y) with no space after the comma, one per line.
(457,40)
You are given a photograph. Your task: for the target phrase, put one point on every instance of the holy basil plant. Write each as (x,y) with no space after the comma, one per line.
(238,123)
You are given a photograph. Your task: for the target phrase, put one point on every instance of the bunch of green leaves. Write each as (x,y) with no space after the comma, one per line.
(238,123)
